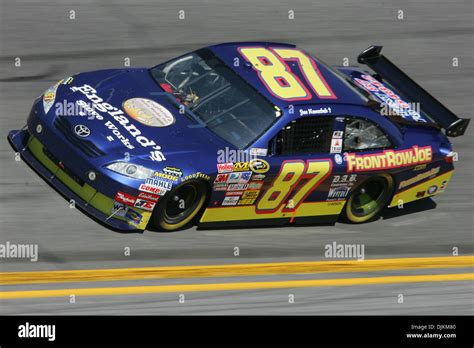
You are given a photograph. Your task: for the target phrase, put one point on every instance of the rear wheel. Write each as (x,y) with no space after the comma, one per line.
(180,206)
(368,199)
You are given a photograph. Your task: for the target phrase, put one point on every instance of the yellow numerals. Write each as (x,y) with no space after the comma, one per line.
(278,77)
(291,172)
(275,74)
(309,69)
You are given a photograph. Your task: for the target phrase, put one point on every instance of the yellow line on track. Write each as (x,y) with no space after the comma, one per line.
(140,290)
(234,270)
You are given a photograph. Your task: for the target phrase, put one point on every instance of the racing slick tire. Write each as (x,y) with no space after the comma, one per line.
(180,206)
(368,199)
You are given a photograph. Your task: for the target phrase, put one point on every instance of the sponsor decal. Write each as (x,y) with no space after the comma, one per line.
(338,159)
(152,189)
(258,152)
(233,178)
(307,112)
(237,187)
(119,209)
(234,193)
(432,189)
(165,176)
(118,135)
(120,117)
(389,98)
(49,96)
(173,171)
(259,166)
(245,177)
(241,166)
(337,134)
(388,159)
(419,177)
(246,201)
(258,177)
(340,186)
(159,183)
(145,205)
(225,167)
(255,185)
(230,200)
(239,177)
(148,196)
(134,216)
(148,112)
(157,156)
(344,180)
(221,178)
(125,198)
(336,145)
(197,175)
(339,192)
(220,187)
(251,194)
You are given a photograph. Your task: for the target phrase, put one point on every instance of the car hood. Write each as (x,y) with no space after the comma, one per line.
(123,111)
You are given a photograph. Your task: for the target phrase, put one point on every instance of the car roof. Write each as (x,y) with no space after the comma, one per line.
(344,93)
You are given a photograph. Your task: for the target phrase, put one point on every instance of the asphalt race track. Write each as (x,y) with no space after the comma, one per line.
(102,35)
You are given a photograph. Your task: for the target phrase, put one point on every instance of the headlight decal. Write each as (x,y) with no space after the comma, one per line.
(49,96)
(131,170)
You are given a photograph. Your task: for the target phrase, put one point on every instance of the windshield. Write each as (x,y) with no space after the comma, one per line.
(222,101)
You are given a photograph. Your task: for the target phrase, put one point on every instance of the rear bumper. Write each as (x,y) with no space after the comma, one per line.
(425,189)
(86,198)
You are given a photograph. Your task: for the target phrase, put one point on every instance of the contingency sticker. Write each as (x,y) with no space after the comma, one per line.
(390,98)
(148,112)
(49,96)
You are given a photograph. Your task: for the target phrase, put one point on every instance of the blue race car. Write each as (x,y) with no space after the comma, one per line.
(236,134)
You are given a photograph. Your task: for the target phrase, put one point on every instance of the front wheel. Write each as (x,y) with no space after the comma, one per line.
(180,206)
(368,199)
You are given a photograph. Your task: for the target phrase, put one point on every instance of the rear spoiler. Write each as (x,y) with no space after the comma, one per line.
(388,71)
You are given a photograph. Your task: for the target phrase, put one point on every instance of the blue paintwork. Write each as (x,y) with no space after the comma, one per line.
(188,146)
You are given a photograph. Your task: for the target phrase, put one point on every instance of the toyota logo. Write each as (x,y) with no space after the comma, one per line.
(82,131)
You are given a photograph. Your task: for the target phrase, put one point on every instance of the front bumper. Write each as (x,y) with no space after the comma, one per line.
(95,204)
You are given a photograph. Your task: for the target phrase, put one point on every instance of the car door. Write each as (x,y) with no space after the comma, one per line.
(301,166)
